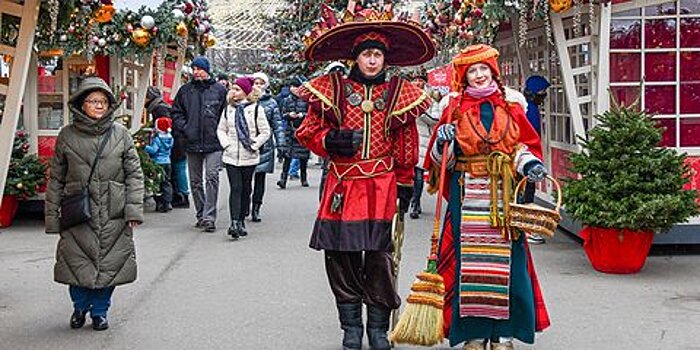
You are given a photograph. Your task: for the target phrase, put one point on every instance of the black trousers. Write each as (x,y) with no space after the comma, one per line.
(302,167)
(259,187)
(166,188)
(417,186)
(240,179)
(357,277)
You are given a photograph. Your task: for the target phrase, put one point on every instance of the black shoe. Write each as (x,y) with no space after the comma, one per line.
(282,183)
(77,319)
(208,226)
(242,231)
(377,326)
(99,323)
(255,213)
(304,183)
(162,208)
(181,201)
(415,215)
(233,231)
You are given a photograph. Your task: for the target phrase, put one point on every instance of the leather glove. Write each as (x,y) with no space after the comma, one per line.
(343,142)
(536,173)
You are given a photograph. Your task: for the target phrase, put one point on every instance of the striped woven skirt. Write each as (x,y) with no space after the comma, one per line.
(484,278)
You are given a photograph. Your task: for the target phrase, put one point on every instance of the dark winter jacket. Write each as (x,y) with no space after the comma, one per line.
(274,118)
(196,110)
(291,146)
(99,253)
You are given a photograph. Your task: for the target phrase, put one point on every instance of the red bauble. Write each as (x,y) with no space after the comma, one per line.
(188,8)
(477,12)
(456,4)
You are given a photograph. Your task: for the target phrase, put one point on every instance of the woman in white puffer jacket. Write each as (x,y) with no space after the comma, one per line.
(242,131)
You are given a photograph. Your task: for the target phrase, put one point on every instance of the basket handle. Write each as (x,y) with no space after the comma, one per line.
(548,177)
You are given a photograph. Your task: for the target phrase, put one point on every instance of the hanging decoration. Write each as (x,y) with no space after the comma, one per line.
(560,6)
(95,27)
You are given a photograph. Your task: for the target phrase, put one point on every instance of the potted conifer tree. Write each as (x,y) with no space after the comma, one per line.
(629,189)
(25,175)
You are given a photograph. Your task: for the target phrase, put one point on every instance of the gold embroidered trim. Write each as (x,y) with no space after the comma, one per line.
(318,94)
(414,104)
(387,162)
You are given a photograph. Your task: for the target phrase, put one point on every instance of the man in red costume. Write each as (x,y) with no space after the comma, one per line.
(366,125)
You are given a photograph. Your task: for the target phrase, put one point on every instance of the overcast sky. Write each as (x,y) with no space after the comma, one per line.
(135,4)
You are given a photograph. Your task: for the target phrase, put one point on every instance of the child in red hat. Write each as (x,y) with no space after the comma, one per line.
(159,150)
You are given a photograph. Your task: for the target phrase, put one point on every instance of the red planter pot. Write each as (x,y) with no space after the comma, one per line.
(616,251)
(8,209)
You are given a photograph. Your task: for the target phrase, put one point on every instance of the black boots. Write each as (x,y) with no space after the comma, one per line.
(237,229)
(255,213)
(377,326)
(304,181)
(351,322)
(416,211)
(99,323)
(282,183)
(77,319)
(181,200)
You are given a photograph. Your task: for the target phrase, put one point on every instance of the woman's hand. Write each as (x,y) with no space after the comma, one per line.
(133,224)
(445,133)
(537,173)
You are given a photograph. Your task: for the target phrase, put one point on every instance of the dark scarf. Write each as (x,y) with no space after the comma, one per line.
(242,126)
(356,75)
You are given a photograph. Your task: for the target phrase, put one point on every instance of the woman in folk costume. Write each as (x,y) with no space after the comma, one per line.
(492,292)
(366,126)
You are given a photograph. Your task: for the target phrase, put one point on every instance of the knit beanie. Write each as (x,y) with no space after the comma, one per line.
(152,92)
(164,124)
(246,84)
(262,76)
(201,62)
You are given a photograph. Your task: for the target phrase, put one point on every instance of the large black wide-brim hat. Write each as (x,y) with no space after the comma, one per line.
(408,45)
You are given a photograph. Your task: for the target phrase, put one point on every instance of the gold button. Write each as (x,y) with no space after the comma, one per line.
(367,106)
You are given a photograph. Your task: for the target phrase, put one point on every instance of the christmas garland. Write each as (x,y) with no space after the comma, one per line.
(95,27)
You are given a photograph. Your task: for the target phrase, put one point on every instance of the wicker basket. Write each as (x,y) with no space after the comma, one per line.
(533,218)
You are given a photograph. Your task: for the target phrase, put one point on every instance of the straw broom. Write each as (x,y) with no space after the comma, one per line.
(422,321)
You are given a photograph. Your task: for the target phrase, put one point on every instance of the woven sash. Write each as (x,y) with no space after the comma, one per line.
(484,279)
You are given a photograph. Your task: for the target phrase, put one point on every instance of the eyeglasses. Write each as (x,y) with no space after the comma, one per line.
(95,103)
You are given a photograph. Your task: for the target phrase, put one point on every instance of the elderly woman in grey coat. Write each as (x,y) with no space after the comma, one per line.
(97,255)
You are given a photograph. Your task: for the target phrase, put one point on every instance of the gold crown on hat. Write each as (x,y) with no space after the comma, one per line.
(351,14)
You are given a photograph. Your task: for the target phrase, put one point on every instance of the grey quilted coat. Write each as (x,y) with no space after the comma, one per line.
(99,253)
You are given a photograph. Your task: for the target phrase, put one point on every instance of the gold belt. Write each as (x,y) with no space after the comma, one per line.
(362,169)
(476,166)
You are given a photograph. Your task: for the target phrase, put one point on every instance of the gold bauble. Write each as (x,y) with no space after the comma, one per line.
(559,6)
(140,37)
(104,14)
(210,41)
(181,29)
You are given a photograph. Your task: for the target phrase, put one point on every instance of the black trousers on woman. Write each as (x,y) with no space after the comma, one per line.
(302,167)
(240,179)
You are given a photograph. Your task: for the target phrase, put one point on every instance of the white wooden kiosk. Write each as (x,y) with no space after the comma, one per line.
(647,48)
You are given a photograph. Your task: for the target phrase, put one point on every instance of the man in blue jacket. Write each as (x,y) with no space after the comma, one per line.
(196,110)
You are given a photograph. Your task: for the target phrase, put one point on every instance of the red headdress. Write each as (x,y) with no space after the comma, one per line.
(479,53)
(406,43)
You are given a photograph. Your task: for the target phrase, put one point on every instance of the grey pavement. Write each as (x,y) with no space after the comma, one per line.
(269,291)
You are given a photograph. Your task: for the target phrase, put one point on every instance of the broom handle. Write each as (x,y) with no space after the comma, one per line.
(432,259)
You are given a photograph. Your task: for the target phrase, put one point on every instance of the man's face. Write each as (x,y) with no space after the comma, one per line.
(370,62)
(199,74)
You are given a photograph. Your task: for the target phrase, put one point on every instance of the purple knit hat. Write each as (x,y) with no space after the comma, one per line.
(246,84)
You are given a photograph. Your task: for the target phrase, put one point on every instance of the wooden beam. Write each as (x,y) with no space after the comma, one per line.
(20,66)
(602,91)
